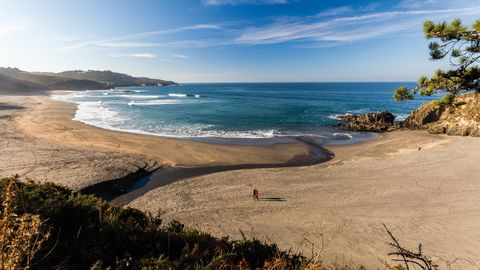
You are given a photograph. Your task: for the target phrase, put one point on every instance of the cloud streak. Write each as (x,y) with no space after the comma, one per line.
(126,44)
(11,29)
(333,26)
(243,2)
(136,55)
(351,28)
(335,11)
(122,41)
(175,55)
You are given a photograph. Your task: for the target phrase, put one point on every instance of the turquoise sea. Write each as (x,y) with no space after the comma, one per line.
(237,110)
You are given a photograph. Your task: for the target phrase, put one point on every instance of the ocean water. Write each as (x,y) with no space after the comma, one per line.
(237,110)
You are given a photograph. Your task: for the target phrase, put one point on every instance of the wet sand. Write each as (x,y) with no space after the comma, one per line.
(40,141)
(50,121)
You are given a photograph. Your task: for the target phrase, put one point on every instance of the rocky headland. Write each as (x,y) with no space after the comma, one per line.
(461,118)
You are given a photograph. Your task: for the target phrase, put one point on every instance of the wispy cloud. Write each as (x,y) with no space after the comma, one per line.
(342,10)
(143,55)
(126,44)
(122,41)
(424,4)
(151,55)
(175,30)
(136,55)
(198,43)
(335,11)
(350,28)
(243,2)
(11,29)
(333,26)
(175,55)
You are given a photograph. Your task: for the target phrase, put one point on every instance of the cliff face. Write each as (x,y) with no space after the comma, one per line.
(462,119)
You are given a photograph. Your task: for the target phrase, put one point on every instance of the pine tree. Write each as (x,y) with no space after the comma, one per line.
(461,45)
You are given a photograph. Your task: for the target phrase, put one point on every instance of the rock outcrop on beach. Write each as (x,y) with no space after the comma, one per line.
(371,122)
(462,118)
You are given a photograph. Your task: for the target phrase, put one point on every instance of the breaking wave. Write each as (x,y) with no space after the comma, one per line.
(153,102)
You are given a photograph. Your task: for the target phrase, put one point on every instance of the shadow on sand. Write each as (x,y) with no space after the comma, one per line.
(273,199)
(4,106)
(165,176)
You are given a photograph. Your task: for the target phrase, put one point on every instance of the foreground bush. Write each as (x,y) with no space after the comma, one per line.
(44,226)
(74,231)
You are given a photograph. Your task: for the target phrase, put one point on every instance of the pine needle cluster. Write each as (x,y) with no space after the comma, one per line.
(461,45)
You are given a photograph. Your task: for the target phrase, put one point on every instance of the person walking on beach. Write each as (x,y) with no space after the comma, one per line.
(255,194)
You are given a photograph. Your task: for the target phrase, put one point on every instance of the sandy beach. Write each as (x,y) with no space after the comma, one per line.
(51,121)
(427,196)
(40,141)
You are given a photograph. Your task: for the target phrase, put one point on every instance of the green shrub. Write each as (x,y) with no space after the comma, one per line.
(88,233)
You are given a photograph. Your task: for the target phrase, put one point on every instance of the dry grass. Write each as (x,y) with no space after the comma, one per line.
(21,236)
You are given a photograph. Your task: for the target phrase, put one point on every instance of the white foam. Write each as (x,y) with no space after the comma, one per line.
(337,116)
(153,102)
(129,91)
(96,114)
(232,134)
(177,95)
(401,117)
(91,110)
(340,134)
(67,97)
(141,96)
(360,111)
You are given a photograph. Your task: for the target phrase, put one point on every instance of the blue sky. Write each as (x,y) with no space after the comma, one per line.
(228,40)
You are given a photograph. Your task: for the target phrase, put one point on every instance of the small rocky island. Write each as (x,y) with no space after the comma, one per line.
(370,122)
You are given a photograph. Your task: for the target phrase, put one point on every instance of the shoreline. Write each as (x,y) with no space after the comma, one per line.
(49,121)
(127,188)
(45,117)
(121,192)
(357,137)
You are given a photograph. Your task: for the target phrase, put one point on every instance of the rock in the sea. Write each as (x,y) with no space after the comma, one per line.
(372,122)
(462,118)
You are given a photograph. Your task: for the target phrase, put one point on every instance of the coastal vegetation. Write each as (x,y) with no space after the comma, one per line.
(459,43)
(19,81)
(456,111)
(45,226)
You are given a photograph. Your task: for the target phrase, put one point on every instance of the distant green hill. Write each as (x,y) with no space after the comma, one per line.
(9,84)
(16,80)
(112,78)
